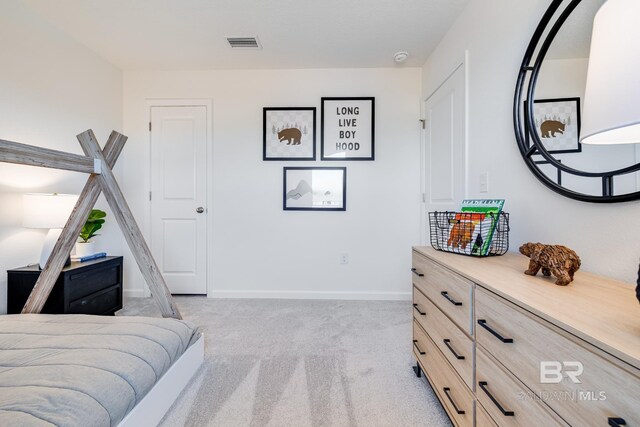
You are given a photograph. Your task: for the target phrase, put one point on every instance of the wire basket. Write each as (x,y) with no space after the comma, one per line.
(470,233)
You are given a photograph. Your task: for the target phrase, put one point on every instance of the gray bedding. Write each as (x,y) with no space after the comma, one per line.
(76,370)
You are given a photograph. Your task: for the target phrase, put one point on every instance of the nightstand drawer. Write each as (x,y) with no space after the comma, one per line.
(507,401)
(103,302)
(591,389)
(452,342)
(450,292)
(88,282)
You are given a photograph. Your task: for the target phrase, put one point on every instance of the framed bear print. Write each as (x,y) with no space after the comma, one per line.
(557,122)
(289,133)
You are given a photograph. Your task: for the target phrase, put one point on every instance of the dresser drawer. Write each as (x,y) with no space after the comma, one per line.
(452,342)
(506,399)
(482,417)
(452,293)
(452,392)
(537,354)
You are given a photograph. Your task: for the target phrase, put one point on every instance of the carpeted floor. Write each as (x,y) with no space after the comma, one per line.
(301,363)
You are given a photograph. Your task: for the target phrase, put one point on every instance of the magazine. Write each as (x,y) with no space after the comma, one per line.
(472,229)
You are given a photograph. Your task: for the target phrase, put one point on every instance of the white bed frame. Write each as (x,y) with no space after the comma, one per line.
(153,407)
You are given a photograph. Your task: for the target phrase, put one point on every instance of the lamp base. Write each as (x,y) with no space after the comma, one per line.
(47,247)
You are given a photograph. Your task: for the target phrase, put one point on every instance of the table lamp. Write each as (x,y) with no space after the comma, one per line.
(611,113)
(48,211)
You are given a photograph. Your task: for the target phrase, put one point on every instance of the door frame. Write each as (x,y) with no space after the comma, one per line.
(187,102)
(464,64)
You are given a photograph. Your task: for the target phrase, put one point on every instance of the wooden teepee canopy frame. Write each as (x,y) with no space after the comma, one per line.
(98,164)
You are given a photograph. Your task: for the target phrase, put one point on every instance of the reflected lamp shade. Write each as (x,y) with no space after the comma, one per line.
(611,113)
(47,211)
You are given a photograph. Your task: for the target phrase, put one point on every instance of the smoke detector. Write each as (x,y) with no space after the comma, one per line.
(244,42)
(401,56)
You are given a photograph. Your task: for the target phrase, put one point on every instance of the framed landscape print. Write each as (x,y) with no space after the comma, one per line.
(289,133)
(314,189)
(348,129)
(558,124)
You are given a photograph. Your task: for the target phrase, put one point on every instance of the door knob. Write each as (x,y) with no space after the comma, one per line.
(200,209)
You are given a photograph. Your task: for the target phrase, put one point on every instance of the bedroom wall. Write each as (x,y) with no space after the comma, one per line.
(495,33)
(52,88)
(259,250)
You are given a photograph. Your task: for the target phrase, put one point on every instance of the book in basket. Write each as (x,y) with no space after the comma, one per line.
(472,229)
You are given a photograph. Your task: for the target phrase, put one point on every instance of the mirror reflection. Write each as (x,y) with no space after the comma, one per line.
(559,95)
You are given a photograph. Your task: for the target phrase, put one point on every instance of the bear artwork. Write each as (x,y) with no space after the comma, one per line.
(292,135)
(558,260)
(549,128)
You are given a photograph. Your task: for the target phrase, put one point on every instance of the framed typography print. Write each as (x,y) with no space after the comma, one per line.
(289,133)
(314,189)
(348,129)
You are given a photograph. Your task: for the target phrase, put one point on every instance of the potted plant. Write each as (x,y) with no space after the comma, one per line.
(85,246)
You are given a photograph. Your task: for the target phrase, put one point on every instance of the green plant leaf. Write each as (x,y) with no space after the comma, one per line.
(92,225)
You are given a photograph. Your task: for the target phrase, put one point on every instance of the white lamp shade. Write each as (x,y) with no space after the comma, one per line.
(47,210)
(611,113)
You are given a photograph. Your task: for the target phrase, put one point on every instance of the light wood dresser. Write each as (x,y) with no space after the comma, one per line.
(500,348)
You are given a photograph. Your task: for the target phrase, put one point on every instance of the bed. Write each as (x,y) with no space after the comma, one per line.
(78,370)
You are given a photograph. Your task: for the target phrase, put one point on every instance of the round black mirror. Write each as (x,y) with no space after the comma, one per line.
(547,111)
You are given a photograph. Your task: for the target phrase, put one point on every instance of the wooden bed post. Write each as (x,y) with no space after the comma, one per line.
(130,229)
(98,164)
(67,239)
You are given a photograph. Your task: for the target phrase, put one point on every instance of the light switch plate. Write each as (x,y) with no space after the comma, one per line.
(484,182)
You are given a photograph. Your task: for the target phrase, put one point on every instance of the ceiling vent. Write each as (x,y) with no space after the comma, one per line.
(244,42)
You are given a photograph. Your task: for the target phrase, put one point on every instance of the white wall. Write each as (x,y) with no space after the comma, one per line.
(260,250)
(496,34)
(51,88)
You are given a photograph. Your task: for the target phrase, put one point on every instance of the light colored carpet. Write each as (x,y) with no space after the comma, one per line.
(301,363)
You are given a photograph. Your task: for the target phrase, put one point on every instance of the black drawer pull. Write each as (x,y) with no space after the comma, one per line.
(415,344)
(418,310)
(446,392)
(617,422)
(414,271)
(483,386)
(483,323)
(451,300)
(447,342)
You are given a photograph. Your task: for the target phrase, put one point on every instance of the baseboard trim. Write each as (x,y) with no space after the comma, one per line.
(334,295)
(134,293)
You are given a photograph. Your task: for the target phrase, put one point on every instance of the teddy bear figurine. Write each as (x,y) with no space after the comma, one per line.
(558,260)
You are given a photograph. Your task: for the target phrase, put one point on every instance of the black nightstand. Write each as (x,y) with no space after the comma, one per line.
(91,287)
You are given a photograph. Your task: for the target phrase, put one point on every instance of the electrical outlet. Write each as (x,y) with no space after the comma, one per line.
(344,258)
(484,182)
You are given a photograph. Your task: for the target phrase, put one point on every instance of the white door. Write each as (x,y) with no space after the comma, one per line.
(444,149)
(179,196)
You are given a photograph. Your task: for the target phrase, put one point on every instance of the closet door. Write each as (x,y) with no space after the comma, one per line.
(179,196)
(444,168)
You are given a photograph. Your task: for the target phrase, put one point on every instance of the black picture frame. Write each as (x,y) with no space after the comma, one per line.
(328,129)
(303,187)
(552,103)
(276,151)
